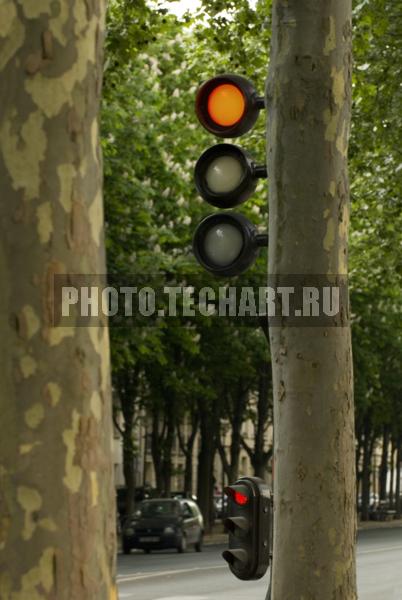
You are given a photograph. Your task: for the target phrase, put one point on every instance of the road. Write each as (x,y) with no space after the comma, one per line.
(191,576)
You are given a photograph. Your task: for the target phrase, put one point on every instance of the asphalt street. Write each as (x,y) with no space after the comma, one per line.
(166,575)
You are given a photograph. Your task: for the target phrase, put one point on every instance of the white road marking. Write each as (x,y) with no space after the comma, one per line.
(184,598)
(135,577)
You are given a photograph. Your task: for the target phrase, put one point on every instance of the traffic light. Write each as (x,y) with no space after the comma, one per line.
(249,527)
(228,105)
(227,244)
(226,175)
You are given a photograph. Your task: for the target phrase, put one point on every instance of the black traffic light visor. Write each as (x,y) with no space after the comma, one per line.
(244,187)
(248,251)
(247,116)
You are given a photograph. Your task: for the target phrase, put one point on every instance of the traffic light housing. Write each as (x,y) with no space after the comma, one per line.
(228,105)
(226,175)
(227,244)
(249,527)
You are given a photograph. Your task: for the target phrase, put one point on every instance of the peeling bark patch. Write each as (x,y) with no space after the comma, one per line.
(96,405)
(32,9)
(28,366)
(29,323)
(342,141)
(331,116)
(332,188)
(338,86)
(73,473)
(51,94)
(53,393)
(341,570)
(8,13)
(113,593)
(27,448)
(331,122)
(330,40)
(48,524)
(66,174)
(30,501)
(24,153)
(330,235)
(45,224)
(95,139)
(94,488)
(5,523)
(12,32)
(95,214)
(80,17)
(101,346)
(58,334)
(41,575)
(57,24)
(34,416)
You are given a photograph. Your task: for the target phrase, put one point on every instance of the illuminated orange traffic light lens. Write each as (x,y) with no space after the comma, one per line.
(226,105)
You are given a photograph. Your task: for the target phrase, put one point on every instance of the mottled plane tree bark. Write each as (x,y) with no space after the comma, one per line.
(57,501)
(309,107)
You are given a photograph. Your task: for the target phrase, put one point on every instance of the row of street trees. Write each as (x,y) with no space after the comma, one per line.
(151,141)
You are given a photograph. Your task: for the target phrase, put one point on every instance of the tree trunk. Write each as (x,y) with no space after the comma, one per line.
(205,484)
(57,509)
(260,456)
(308,107)
(239,408)
(126,383)
(382,483)
(156,441)
(358,454)
(366,472)
(187,447)
(398,503)
(128,469)
(392,468)
(167,466)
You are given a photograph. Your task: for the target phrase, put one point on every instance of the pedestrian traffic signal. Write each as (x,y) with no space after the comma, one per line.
(249,527)
(228,105)
(226,175)
(227,243)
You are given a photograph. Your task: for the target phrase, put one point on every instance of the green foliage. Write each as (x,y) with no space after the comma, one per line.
(151,141)
(376,186)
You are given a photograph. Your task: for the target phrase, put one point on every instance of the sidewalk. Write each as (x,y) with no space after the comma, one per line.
(217,536)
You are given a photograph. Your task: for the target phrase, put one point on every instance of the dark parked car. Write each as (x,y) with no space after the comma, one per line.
(164,523)
(141,493)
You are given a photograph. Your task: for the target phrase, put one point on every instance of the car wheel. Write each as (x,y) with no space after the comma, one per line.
(126,547)
(198,545)
(147,551)
(182,547)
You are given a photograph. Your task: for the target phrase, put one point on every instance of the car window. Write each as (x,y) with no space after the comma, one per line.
(187,513)
(194,510)
(164,508)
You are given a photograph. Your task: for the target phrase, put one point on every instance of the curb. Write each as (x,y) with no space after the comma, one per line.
(212,539)
(365,525)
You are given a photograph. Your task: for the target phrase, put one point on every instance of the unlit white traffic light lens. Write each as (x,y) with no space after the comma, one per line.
(223,244)
(224,174)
